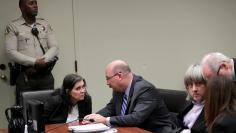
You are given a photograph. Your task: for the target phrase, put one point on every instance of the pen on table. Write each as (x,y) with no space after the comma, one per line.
(90,120)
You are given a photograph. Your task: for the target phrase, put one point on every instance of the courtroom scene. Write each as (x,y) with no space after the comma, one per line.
(102,66)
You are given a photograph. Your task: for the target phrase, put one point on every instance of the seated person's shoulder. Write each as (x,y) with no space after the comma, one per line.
(55,97)
(227,119)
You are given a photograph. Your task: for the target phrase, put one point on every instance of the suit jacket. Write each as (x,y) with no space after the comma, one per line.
(145,108)
(199,126)
(57,107)
(225,124)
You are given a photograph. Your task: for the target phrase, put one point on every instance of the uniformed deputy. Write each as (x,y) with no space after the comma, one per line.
(31,43)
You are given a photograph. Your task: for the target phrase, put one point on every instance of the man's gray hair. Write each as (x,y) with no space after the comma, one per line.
(214,60)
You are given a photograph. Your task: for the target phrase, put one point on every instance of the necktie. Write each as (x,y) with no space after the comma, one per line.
(124,105)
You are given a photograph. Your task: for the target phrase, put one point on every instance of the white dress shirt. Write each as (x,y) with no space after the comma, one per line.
(73,115)
(192,115)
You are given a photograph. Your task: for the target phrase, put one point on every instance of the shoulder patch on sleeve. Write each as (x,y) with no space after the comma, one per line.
(7,30)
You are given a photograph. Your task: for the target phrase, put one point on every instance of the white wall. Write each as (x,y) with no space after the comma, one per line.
(158,38)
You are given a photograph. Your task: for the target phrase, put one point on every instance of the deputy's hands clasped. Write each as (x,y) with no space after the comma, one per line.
(40,63)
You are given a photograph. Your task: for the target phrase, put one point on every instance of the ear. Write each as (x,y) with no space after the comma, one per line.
(225,65)
(119,74)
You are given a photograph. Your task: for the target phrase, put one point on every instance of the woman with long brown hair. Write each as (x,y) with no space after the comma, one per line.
(220,105)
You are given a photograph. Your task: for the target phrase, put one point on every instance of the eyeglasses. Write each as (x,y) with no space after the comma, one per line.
(218,71)
(108,78)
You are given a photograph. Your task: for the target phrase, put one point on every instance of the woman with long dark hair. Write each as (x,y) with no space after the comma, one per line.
(71,102)
(220,106)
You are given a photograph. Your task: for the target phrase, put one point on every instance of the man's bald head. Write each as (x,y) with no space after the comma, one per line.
(118,66)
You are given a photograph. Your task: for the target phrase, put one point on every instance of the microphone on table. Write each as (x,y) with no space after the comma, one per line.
(80,119)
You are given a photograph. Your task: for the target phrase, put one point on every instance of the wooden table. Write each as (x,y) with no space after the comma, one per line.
(63,128)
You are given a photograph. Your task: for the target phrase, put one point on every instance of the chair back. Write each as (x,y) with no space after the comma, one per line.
(175,101)
(41,96)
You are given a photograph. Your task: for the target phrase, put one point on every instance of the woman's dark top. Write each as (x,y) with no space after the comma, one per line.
(225,124)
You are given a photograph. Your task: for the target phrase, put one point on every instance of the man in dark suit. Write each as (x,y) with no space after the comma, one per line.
(143,106)
(199,126)
(214,64)
(191,119)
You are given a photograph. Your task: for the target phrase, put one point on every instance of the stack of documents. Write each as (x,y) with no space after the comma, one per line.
(88,128)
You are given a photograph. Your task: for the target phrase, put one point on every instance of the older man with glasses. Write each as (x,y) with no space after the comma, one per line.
(135,102)
(214,64)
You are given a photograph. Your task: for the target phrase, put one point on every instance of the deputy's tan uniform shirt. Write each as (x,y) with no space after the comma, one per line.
(24,48)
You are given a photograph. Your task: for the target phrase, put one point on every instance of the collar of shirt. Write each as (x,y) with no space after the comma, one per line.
(128,89)
(21,21)
(192,115)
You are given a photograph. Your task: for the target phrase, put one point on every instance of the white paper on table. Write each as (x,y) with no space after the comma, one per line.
(88,128)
